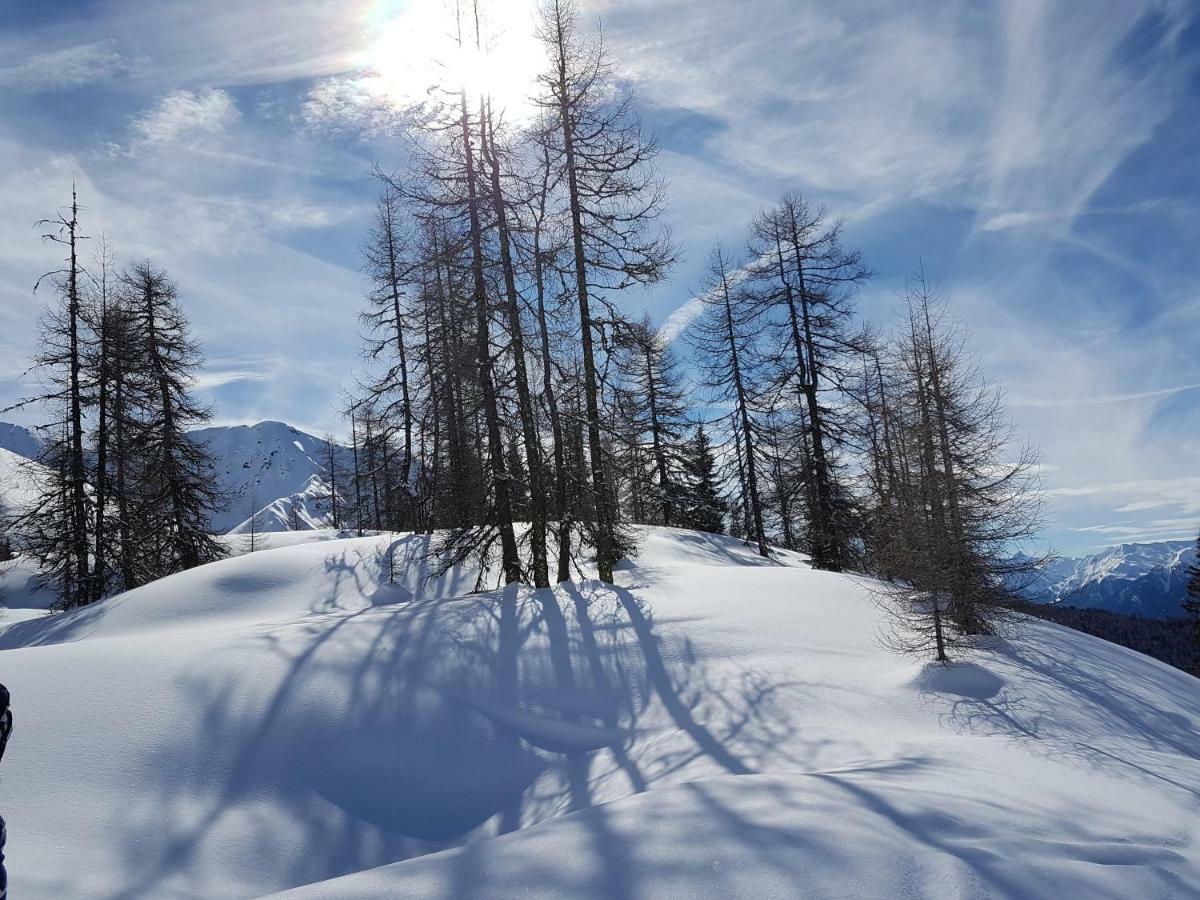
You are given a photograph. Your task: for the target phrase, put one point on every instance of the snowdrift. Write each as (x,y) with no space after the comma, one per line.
(320,716)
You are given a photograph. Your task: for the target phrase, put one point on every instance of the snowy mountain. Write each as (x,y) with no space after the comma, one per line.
(19,440)
(272,471)
(20,481)
(1147,580)
(714,725)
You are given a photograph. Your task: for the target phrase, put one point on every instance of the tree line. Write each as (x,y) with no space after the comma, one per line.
(124,495)
(517,410)
(511,406)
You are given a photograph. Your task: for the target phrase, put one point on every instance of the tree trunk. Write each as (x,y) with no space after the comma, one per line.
(533,456)
(510,562)
(606,550)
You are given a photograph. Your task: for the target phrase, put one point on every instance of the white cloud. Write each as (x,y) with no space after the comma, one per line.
(1053,400)
(210,378)
(1067,113)
(680,318)
(358,103)
(186,115)
(61,68)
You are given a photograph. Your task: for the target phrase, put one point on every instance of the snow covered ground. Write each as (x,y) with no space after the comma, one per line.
(715,725)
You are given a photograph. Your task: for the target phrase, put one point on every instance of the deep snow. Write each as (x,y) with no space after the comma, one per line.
(289,716)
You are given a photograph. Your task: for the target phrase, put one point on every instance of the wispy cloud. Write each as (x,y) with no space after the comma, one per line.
(61,68)
(1101,400)
(185,115)
(1069,111)
(680,318)
(1153,530)
(215,378)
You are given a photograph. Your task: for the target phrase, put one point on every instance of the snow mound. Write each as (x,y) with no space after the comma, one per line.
(323,713)
(857,832)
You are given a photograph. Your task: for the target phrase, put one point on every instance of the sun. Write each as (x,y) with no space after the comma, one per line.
(428,50)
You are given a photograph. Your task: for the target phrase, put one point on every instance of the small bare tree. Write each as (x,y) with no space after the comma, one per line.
(955,496)
(723,338)
(251,535)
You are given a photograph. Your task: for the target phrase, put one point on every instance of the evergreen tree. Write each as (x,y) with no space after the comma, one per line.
(802,279)
(704,507)
(613,198)
(177,496)
(723,339)
(964,502)
(334,467)
(656,419)
(58,527)
(386,262)
(251,534)
(1191,607)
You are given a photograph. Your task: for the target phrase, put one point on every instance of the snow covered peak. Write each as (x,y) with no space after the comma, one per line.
(1143,579)
(19,440)
(271,471)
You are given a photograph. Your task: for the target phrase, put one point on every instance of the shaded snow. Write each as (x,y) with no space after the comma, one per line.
(715,725)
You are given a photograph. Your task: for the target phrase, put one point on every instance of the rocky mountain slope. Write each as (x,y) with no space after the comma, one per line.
(277,473)
(1147,580)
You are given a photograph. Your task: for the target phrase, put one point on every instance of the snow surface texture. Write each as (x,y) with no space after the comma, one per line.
(715,725)
(267,469)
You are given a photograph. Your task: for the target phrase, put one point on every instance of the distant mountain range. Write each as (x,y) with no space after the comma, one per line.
(1148,580)
(271,471)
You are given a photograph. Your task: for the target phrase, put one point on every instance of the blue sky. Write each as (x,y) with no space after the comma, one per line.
(1041,159)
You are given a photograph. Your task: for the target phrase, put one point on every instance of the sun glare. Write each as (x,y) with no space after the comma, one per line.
(417,54)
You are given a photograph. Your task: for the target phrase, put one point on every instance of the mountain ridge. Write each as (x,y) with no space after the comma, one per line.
(1142,579)
(270,471)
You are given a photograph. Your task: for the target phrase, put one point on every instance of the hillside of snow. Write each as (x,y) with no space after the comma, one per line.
(320,716)
(265,471)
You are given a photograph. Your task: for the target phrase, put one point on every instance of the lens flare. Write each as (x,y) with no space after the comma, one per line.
(428,50)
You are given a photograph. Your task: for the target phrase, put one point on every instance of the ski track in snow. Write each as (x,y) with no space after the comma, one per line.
(715,725)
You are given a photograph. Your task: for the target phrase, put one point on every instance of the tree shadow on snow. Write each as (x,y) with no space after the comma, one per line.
(407,727)
(1060,689)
